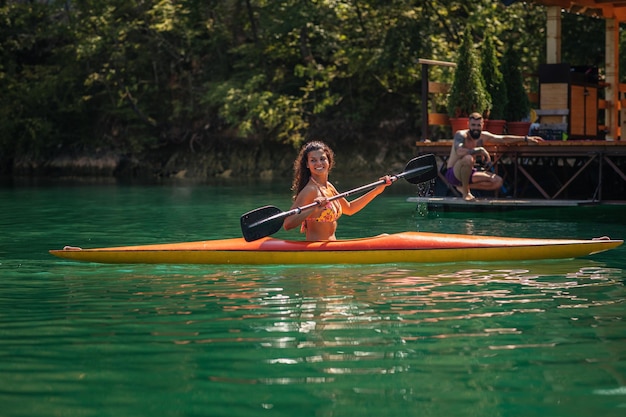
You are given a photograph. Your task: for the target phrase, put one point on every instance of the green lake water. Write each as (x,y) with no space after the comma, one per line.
(543,338)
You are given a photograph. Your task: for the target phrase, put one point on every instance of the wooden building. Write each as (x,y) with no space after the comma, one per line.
(591,163)
(580,117)
(589,170)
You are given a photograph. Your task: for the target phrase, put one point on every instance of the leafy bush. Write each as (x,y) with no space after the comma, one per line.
(468,93)
(494,81)
(517,105)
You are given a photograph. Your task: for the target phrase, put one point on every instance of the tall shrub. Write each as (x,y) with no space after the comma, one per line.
(494,80)
(517,106)
(468,93)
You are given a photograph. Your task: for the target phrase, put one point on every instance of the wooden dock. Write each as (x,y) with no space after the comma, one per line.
(579,170)
(494,204)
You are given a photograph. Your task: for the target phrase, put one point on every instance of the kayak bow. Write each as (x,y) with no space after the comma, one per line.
(407,247)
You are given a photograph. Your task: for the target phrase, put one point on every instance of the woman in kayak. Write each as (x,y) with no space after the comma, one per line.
(310,184)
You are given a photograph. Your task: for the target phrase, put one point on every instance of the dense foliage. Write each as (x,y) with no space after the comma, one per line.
(468,93)
(517,105)
(494,80)
(133,75)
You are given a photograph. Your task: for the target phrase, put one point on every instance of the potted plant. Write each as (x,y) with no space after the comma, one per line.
(517,108)
(494,83)
(468,93)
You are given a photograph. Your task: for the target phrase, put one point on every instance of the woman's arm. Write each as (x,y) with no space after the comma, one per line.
(356,205)
(306,196)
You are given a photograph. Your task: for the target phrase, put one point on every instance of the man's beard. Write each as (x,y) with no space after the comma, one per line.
(475,134)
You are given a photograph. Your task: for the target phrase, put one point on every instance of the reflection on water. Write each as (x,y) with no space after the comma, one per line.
(334,338)
(497,339)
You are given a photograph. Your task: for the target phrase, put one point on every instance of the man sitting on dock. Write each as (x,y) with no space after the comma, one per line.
(467,145)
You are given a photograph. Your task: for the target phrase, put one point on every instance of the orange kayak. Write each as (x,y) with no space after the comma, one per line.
(407,247)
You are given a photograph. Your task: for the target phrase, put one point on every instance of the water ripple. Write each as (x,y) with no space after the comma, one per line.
(392,334)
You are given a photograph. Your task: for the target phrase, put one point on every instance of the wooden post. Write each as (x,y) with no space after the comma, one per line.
(426,90)
(612,77)
(553,35)
(424,101)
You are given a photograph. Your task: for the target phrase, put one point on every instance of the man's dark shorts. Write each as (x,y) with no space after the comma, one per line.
(454,181)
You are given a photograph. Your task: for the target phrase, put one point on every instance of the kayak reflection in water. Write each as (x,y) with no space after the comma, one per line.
(310,184)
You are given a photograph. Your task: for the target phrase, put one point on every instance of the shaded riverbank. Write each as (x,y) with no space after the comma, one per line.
(217,159)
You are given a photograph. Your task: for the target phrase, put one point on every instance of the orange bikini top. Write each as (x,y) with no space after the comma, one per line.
(332,210)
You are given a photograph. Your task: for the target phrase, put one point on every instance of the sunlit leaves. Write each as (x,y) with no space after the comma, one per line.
(131,75)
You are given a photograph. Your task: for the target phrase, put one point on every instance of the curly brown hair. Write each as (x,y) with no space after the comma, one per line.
(301,173)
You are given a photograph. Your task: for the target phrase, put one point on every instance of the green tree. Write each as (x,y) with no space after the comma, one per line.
(468,93)
(132,76)
(517,106)
(494,81)
(36,101)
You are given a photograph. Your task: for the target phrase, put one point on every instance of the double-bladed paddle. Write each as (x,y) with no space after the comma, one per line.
(268,220)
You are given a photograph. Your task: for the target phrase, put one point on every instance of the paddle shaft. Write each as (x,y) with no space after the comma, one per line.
(298,210)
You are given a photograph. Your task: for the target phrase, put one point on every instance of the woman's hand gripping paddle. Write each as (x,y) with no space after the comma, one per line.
(268,220)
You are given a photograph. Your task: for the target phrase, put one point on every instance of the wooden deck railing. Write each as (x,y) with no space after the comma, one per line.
(431,87)
(603,161)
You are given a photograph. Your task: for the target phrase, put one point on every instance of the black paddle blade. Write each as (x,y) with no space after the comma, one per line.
(261,222)
(421,169)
